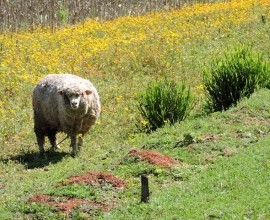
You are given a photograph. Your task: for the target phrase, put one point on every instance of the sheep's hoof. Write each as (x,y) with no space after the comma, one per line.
(56,147)
(75,152)
(80,143)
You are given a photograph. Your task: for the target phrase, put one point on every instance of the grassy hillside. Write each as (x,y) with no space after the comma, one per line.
(224,173)
(121,57)
(234,188)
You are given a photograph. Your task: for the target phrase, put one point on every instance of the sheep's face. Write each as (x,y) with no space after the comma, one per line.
(73,98)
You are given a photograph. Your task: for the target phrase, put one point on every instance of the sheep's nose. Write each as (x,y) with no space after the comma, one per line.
(74,105)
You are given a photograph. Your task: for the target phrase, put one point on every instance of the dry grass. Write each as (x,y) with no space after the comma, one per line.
(15,15)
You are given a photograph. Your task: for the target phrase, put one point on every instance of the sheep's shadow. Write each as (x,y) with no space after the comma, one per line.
(32,160)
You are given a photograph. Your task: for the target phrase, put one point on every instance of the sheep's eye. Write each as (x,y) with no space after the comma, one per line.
(66,99)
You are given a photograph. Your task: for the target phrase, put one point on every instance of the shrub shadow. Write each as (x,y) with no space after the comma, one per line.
(32,160)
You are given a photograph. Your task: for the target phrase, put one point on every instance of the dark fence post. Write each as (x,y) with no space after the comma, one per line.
(144,189)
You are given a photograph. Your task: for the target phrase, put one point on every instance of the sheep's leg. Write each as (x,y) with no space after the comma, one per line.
(53,140)
(80,140)
(40,140)
(73,145)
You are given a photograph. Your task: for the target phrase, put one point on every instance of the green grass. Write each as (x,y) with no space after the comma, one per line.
(225,177)
(235,188)
(229,186)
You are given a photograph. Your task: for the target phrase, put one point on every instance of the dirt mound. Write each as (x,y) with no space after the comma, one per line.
(95,178)
(154,157)
(66,204)
(63,204)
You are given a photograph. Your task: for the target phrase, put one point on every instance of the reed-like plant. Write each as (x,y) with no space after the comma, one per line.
(165,102)
(234,76)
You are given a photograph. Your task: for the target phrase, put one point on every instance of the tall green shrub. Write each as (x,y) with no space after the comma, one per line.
(165,102)
(235,76)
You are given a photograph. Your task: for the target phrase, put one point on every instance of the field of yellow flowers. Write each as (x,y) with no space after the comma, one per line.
(119,52)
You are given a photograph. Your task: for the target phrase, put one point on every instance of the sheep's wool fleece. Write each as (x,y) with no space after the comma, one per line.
(50,108)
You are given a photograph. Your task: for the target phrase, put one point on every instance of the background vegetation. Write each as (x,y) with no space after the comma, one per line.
(18,14)
(121,57)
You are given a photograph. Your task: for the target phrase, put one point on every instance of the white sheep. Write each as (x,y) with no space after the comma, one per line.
(64,103)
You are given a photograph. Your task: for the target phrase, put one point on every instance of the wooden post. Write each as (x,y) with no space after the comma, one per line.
(144,189)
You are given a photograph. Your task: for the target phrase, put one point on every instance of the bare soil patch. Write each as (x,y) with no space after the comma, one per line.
(94,178)
(63,204)
(67,204)
(209,137)
(154,157)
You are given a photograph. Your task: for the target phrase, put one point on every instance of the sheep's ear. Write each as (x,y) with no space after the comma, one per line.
(88,92)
